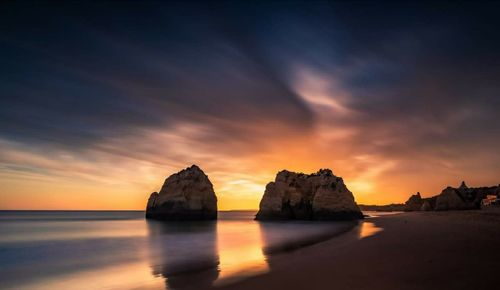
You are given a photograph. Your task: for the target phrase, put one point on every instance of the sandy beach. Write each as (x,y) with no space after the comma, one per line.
(418,250)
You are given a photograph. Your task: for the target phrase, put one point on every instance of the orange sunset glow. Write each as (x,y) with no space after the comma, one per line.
(105,134)
(112,176)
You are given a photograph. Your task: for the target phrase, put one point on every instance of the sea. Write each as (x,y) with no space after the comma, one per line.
(122,250)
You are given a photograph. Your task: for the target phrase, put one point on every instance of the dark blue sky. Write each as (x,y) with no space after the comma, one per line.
(408,83)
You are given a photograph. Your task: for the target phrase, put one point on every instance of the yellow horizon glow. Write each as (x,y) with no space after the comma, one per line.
(117,181)
(233,194)
(120,173)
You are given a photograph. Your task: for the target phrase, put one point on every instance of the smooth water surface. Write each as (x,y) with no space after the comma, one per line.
(121,250)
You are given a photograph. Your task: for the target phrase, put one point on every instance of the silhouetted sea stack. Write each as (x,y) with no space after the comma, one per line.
(186,195)
(318,196)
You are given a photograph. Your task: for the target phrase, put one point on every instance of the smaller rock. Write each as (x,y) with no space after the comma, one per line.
(414,203)
(186,195)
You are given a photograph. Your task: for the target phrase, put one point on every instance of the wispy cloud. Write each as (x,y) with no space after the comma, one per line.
(112,103)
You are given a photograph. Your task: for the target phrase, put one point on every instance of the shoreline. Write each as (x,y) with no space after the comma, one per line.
(413,250)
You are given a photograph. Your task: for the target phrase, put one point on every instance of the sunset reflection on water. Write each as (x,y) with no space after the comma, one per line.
(367,229)
(240,247)
(124,251)
(203,255)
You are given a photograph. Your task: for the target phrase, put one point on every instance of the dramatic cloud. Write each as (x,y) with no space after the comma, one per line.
(99,102)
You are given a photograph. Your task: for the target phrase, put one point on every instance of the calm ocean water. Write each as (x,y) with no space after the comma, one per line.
(121,250)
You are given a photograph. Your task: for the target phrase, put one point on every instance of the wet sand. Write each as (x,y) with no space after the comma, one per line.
(421,250)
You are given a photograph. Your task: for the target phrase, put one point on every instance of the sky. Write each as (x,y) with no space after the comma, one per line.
(101,101)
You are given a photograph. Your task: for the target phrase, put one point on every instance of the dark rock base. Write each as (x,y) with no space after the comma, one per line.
(185,215)
(318,216)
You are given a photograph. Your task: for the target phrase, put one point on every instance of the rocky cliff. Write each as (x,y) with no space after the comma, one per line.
(458,198)
(186,195)
(318,196)
(451,198)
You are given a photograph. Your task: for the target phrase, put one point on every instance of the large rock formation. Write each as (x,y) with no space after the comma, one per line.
(186,195)
(318,196)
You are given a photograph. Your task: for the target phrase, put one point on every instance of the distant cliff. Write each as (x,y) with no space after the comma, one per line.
(317,196)
(450,198)
(186,195)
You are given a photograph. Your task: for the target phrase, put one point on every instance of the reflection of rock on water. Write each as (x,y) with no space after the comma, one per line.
(290,235)
(184,253)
